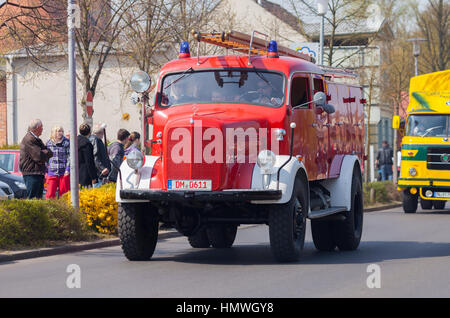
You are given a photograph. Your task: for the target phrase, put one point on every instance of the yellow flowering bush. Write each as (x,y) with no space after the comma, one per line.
(100,207)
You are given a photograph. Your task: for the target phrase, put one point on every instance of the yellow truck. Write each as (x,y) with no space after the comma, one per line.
(425,150)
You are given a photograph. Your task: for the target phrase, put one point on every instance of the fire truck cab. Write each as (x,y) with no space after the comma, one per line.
(264,138)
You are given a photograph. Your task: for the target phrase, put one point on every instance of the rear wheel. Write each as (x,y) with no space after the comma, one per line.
(138,230)
(347,234)
(287,224)
(199,240)
(439,204)
(409,202)
(426,204)
(322,233)
(221,235)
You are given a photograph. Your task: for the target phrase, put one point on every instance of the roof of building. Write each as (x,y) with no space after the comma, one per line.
(281,13)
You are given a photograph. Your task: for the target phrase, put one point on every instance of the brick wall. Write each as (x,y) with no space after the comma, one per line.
(3,125)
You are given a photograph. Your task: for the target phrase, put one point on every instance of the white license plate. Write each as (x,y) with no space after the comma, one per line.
(195,185)
(442,194)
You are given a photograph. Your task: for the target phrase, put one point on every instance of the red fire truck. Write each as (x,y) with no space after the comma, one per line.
(264,137)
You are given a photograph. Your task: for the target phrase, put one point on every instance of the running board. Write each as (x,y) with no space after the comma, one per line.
(317,214)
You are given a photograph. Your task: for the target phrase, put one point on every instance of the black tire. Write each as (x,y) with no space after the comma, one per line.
(221,235)
(409,202)
(138,230)
(322,234)
(439,204)
(426,204)
(347,234)
(199,240)
(287,224)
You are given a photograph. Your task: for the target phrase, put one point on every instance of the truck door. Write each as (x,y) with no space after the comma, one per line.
(305,135)
(322,128)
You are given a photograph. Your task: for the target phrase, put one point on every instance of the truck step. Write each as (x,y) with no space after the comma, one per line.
(317,214)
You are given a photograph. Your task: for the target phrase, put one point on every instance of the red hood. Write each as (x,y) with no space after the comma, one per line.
(202,132)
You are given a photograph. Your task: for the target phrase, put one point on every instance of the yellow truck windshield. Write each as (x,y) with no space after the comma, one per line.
(427,126)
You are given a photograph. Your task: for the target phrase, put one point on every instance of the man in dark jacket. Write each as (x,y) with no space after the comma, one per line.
(116,152)
(101,159)
(87,172)
(33,157)
(384,161)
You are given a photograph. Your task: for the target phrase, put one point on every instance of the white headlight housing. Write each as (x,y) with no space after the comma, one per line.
(135,159)
(412,172)
(140,82)
(266,161)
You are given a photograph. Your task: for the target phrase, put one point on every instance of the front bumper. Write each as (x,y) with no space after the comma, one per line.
(204,196)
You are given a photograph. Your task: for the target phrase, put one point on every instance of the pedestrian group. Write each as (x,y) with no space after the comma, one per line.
(50,163)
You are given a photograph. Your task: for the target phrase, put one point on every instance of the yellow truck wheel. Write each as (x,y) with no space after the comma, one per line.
(439,204)
(426,204)
(409,202)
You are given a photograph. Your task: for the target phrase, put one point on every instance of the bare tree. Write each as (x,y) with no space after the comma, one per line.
(434,24)
(346,14)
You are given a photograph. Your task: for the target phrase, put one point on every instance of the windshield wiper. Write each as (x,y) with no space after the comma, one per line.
(182,75)
(261,76)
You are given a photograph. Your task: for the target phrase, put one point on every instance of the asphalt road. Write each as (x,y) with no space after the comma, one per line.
(412,252)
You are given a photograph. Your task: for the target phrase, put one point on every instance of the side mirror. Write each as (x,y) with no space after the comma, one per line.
(320,98)
(396,122)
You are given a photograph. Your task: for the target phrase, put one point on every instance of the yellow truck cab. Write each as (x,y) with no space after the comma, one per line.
(425,149)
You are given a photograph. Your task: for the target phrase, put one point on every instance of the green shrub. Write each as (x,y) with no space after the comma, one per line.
(33,223)
(385,192)
(14,146)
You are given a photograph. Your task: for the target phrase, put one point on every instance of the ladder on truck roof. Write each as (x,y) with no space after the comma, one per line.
(245,43)
(251,44)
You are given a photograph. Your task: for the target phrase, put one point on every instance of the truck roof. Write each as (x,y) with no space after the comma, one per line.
(430,93)
(283,64)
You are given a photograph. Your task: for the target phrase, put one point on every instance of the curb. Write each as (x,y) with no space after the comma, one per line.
(383,207)
(51,251)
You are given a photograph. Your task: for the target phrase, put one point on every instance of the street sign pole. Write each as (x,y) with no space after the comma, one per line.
(71,24)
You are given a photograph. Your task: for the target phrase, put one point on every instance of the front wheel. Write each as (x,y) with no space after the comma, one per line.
(287,224)
(138,230)
(409,202)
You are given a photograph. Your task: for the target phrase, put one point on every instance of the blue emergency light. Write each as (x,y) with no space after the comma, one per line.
(272,50)
(184,50)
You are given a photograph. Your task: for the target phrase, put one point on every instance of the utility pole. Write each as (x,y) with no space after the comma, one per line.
(416,52)
(322,8)
(73,21)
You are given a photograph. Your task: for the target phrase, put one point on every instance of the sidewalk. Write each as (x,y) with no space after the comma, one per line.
(82,246)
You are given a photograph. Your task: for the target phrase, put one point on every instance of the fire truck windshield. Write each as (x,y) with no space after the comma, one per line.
(223,86)
(427,126)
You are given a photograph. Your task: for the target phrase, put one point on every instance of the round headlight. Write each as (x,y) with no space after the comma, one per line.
(428,193)
(266,161)
(412,172)
(135,159)
(140,82)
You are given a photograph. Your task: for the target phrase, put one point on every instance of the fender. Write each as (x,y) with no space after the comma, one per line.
(341,187)
(131,180)
(287,177)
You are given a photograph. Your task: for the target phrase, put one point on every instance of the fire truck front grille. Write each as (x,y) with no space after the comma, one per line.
(438,158)
(193,170)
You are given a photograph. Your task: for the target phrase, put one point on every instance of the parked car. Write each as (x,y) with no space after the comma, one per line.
(15,182)
(5,192)
(9,160)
